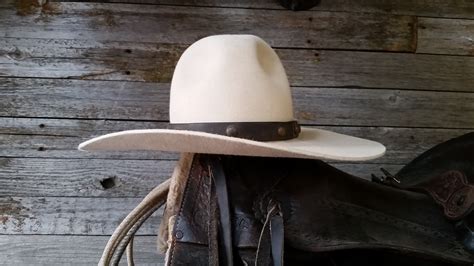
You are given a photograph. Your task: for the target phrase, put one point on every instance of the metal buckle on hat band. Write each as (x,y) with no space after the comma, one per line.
(259,131)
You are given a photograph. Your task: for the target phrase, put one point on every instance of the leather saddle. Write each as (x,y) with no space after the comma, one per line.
(446,172)
(269,211)
(226,210)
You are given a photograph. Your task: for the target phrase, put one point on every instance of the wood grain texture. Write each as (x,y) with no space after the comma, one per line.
(58,138)
(81,178)
(154,62)
(121,22)
(69,215)
(148,101)
(447,36)
(70,250)
(378,70)
(386,70)
(430,8)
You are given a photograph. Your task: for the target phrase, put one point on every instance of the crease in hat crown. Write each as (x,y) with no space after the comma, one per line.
(230,78)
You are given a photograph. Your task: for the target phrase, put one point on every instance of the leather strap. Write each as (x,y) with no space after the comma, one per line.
(277,236)
(273,228)
(259,131)
(213,225)
(225,225)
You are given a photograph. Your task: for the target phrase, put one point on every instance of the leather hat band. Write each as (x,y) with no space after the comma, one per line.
(259,131)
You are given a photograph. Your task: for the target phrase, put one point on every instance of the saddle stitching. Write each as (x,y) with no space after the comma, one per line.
(344,209)
(341,208)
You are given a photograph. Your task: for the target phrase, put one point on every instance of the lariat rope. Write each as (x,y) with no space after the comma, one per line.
(122,238)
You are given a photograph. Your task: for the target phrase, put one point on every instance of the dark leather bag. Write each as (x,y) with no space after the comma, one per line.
(247,210)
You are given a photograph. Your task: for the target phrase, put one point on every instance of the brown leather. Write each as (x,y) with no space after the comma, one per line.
(323,210)
(446,173)
(260,131)
(446,167)
(452,191)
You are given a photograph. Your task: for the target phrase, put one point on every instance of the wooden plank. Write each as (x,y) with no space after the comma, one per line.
(379,70)
(138,61)
(147,101)
(83,99)
(87,59)
(58,138)
(81,178)
(70,250)
(37,177)
(121,22)
(66,215)
(430,8)
(445,36)
(384,107)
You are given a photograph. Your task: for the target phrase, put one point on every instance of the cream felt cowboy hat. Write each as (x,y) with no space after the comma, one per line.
(230,95)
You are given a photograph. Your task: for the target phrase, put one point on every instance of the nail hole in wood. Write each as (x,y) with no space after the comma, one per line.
(127,72)
(128,51)
(108,182)
(310,19)
(41,148)
(41,125)
(393,98)
(308,41)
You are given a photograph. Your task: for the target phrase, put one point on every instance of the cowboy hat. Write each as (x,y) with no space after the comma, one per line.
(230,95)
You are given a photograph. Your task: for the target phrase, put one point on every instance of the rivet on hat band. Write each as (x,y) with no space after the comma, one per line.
(259,131)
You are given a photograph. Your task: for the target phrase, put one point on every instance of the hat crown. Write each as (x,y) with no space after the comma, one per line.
(230,78)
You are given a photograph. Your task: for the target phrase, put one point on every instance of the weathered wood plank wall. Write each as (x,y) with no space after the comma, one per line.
(399,72)
(68,250)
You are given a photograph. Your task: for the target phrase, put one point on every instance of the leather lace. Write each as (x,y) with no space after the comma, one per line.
(225,225)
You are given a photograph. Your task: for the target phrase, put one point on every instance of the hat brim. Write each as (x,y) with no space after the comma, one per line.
(311,143)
